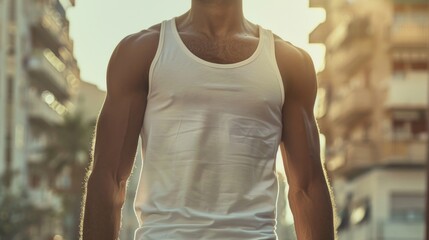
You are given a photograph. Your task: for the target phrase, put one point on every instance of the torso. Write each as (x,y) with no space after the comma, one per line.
(235,49)
(222,155)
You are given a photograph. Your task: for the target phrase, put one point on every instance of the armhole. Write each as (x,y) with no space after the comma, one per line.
(156,57)
(276,66)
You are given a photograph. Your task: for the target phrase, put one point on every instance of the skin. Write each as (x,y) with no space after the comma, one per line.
(216,31)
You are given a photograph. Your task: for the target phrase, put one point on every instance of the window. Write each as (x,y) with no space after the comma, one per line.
(408,124)
(407,207)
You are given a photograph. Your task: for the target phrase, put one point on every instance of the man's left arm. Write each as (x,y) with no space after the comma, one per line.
(310,196)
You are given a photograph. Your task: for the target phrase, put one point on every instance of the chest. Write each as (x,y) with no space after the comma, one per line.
(223,51)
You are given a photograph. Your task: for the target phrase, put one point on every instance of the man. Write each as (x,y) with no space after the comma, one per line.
(212,96)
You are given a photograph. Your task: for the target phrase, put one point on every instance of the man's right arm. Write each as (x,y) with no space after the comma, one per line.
(309,191)
(116,135)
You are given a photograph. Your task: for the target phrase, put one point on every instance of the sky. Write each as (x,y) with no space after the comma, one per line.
(97,26)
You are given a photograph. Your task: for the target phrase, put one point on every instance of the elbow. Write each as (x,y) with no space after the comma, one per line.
(308,188)
(298,193)
(315,180)
(107,187)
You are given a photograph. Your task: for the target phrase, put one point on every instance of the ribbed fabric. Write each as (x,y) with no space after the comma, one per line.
(209,141)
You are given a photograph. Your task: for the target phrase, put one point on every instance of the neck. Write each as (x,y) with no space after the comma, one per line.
(216,17)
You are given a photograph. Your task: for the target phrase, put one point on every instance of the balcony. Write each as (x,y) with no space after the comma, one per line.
(67,41)
(357,157)
(401,86)
(410,2)
(39,110)
(350,31)
(410,29)
(352,108)
(48,71)
(320,33)
(349,59)
(404,152)
(410,34)
(47,25)
(317,3)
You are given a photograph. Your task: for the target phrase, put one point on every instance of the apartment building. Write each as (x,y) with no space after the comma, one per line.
(39,77)
(373,112)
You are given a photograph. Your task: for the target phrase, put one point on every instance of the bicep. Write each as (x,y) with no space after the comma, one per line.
(116,137)
(300,137)
(121,116)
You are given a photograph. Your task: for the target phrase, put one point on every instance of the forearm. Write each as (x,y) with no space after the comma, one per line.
(313,212)
(102,209)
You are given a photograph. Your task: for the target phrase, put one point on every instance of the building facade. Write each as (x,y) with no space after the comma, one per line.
(39,77)
(373,112)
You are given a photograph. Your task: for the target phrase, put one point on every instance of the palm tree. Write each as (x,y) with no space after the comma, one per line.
(69,149)
(17,215)
(70,144)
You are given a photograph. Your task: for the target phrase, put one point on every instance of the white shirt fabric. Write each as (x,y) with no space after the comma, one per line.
(209,142)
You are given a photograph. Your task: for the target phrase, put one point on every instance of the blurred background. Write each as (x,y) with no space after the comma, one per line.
(372,59)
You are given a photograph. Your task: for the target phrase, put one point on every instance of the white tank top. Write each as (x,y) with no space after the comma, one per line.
(209,141)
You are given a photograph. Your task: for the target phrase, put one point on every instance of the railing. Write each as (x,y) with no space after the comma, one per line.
(410,30)
(50,21)
(358,103)
(402,85)
(47,66)
(320,33)
(317,3)
(353,158)
(359,156)
(39,109)
(348,59)
(403,152)
(66,40)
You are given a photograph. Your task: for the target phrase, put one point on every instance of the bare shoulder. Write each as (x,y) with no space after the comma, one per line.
(130,61)
(143,41)
(296,67)
(291,58)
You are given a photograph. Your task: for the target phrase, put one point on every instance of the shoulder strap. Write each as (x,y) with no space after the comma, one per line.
(157,54)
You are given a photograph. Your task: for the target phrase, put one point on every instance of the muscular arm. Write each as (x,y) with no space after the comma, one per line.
(117,131)
(309,191)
